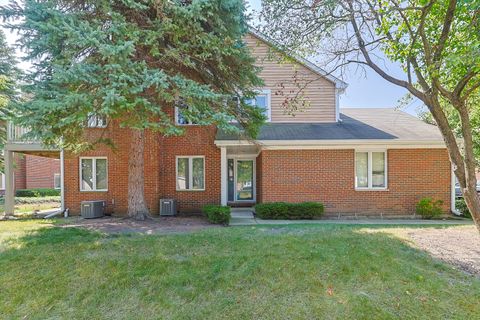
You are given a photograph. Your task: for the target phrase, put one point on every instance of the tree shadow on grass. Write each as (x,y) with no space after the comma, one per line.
(298,271)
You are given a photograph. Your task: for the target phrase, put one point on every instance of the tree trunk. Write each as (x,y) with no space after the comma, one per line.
(137,207)
(473,204)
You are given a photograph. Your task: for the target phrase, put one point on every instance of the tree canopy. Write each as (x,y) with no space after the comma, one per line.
(131,61)
(9,75)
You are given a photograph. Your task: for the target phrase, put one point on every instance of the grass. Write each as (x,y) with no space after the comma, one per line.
(261,272)
(25,205)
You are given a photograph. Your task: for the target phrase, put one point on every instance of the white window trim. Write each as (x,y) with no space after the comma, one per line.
(59,177)
(190,170)
(94,173)
(268,93)
(369,170)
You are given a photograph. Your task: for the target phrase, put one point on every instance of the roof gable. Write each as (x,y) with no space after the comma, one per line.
(339,84)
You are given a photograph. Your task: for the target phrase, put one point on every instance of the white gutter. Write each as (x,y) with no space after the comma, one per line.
(62,179)
(333,144)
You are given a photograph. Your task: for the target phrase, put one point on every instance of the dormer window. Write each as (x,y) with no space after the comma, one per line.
(262,100)
(96,121)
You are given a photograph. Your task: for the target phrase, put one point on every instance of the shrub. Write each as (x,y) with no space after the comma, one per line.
(289,211)
(40,192)
(461,206)
(217,214)
(429,208)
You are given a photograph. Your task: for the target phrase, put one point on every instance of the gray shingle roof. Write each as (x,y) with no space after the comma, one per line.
(357,124)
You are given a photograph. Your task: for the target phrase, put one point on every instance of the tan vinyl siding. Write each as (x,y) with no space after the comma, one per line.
(279,77)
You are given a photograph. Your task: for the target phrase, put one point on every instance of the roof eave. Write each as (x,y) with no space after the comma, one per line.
(334,144)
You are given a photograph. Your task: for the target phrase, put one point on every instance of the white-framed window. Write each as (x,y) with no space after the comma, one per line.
(57,182)
(263,100)
(370,170)
(180,118)
(93,174)
(96,121)
(190,173)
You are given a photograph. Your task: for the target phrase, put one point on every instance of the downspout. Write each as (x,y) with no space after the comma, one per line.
(62,181)
(337,105)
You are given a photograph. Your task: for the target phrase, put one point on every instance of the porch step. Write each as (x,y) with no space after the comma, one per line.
(242,213)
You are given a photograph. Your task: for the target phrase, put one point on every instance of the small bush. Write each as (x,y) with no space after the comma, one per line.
(289,211)
(217,214)
(461,206)
(40,192)
(429,208)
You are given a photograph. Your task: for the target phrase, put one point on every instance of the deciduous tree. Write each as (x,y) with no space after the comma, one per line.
(437,43)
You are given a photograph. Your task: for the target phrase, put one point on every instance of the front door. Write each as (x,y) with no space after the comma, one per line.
(241,180)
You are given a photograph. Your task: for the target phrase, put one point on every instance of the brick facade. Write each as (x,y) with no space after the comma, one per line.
(328,176)
(40,171)
(160,170)
(20,172)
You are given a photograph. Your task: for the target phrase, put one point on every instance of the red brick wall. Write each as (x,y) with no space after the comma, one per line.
(160,175)
(327,176)
(40,171)
(20,171)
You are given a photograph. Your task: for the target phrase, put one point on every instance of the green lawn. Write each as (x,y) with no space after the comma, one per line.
(274,272)
(27,205)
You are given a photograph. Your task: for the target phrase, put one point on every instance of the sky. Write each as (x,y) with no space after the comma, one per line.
(365,89)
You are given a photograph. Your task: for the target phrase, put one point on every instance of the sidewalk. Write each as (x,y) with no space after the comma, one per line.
(247,221)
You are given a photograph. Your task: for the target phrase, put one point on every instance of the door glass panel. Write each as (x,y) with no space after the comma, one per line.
(244,180)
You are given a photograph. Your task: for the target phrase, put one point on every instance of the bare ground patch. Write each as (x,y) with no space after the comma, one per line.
(459,246)
(157,225)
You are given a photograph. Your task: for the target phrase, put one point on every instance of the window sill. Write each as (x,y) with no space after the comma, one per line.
(372,189)
(190,190)
(85,191)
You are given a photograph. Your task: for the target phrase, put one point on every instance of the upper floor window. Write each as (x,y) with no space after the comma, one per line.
(263,101)
(93,174)
(370,170)
(96,121)
(180,117)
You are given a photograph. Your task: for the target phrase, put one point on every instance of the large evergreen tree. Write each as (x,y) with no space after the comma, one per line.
(9,75)
(130,61)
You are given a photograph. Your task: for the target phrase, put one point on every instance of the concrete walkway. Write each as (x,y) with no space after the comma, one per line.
(245,217)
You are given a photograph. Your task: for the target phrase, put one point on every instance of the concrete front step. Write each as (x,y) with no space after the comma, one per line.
(242,213)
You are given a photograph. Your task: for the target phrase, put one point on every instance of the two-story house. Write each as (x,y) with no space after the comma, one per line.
(375,161)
